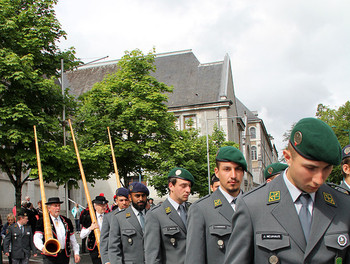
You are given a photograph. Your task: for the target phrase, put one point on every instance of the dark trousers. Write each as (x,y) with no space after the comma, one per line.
(94,256)
(61,258)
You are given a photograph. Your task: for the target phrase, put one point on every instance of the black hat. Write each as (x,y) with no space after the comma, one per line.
(122,192)
(100,200)
(22,213)
(138,187)
(346,152)
(54,200)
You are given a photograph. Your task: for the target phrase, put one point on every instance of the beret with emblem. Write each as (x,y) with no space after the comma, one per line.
(22,213)
(181,173)
(138,187)
(315,140)
(122,192)
(231,154)
(346,152)
(273,169)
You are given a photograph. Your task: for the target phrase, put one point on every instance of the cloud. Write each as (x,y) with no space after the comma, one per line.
(287,57)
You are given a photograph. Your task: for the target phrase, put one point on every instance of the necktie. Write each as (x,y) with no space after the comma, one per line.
(183,214)
(56,222)
(304,214)
(142,220)
(233,204)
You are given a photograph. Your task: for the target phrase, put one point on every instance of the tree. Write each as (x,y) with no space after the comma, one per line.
(339,120)
(189,150)
(29,59)
(131,103)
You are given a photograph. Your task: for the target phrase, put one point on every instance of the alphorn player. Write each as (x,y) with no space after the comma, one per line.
(100,205)
(62,229)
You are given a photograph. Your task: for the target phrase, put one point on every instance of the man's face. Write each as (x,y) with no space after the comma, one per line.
(54,209)
(230,175)
(23,220)
(100,208)
(139,200)
(180,191)
(214,186)
(122,202)
(306,175)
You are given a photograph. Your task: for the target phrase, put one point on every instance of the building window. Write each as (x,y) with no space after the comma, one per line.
(252,132)
(177,123)
(254,154)
(190,121)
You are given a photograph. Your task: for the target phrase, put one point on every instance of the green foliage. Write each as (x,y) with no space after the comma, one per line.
(131,103)
(29,59)
(189,150)
(339,120)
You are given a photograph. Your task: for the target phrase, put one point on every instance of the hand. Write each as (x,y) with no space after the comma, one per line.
(93,226)
(76,258)
(7,254)
(34,255)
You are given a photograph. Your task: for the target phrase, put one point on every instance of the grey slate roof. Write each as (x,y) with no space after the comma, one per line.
(193,82)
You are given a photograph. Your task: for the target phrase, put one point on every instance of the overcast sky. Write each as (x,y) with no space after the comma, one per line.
(286,56)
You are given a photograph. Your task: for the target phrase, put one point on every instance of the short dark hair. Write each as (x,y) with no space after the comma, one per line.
(172,180)
(213,179)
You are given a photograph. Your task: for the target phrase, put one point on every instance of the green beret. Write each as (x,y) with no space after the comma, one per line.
(231,154)
(273,169)
(181,174)
(315,140)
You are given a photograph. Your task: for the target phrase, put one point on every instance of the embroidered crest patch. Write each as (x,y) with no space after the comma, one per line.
(127,215)
(217,202)
(274,196)
(328,198)
(168,210)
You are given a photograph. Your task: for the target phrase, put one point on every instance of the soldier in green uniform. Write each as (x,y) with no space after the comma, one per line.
(165,229)
(295,218)
(273,170)
(209,219)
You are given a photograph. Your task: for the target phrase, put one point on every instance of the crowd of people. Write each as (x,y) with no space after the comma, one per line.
(294,217)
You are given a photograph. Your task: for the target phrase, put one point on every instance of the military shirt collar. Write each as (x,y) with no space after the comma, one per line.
(293,190)
(136,212)
(173,203)
(229,197)
(346,183)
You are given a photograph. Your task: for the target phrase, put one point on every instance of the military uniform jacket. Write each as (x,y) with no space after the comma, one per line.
(21,243)
(165,235)
(125,239)
(208,229)
(104,239)
(68,227)
(267,227)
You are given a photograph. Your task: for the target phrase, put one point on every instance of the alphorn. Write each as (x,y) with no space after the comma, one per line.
(52,246)
(97,231)
(114,161)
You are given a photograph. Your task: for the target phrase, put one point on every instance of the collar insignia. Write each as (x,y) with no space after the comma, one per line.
(217,202)
(328,198)
(168,210)
(127,215)
(274,196)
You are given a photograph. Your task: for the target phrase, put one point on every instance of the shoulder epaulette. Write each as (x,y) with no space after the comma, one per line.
(338,188)
(202,199)
(155,207)
(255,189)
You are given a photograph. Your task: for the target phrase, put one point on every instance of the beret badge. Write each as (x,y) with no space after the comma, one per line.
(131,187)
(347,150)
(270,170)
(298,137)
(178,172)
